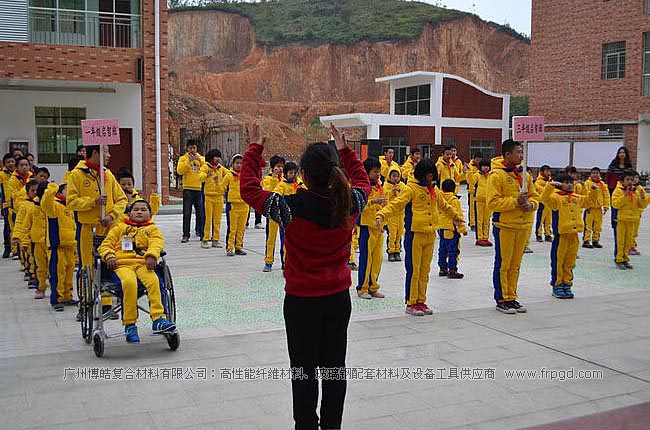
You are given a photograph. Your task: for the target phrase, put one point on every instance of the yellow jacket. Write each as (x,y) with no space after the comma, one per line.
(83,190)
(603,200)
(448,171)
(66,177)
(60,219)
(231,184)
(628,203)
(213,187)
(190,171)
(270,182)
(407,169)
(392,190)
(460,169)
(480,181)
(540,183)
(567,208)
(4,187)
(288,187)
(370,211)
(385,167)
(421,206)
(147,241)
(34,223)
(503,188)
(447,222)
(15,185)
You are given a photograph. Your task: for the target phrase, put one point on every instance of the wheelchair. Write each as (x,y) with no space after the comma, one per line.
(90,301)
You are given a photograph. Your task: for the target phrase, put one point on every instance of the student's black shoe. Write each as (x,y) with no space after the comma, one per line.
(549,238)
(595,244)
(587,245)
(398,257)
(80,316)
(518,307)
(185,239)
(453,274)
(240,252)
(391,256)
(628,265)
(505,308)
(443,273)
(539,239)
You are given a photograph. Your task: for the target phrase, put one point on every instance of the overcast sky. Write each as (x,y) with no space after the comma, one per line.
(514,12)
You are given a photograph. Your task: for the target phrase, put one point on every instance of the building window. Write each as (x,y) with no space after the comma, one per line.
(58,133)
(646,61)
(114,23)
(613,131)
(647,6)
(449,141)
(413,100)
(399,144)
(613,60)
(487,148)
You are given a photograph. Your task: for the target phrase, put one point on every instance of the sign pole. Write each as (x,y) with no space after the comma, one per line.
(101,176)
(524,186)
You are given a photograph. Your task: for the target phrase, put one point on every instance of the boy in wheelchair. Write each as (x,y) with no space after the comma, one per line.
(131,250)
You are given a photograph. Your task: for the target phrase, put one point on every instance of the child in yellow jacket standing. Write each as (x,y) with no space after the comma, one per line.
(131,250)
(34,227)
(480,201)
(8,166)
(213,173)
(270,183)
(637,223)
(627,202)
(593,215)
(421,202)
(288,186)
(371,236)
(543,223)
(61,242)
(20,234)
(449,232)
(395,224)
(236,209)
(566,207)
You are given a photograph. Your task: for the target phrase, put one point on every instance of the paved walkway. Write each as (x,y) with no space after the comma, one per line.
(230,316)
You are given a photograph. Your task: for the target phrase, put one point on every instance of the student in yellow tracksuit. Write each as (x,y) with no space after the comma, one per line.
(387,161)
(8,166)
(512,219)
(421,203)
(627,202)
(371,236)
(236,210)
(289,185)
(213,176)
(483,215)
(470,178)
(20,235)
(61,242)
(34,235)
(409,165)
(566,210)
(578,183)
(127,183)
(84,199)
(15,188)
(637,223)
(449,232)
(131,249)
(395,224)
(447,169)
(543,223)
(270,183)
(593,215)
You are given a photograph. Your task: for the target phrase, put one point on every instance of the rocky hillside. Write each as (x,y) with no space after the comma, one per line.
(213,55)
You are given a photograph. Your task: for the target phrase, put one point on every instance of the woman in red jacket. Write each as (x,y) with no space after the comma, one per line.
(318,231)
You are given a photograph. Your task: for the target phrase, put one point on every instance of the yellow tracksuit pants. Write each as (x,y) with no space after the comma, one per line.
(483,216)
(236,216)
(127,277)
(624,240)
(637,224)
(471,209)
(395,233)
(27,258)
(564,251)
(370,258)
(593,224)
(12,225)
(355,243)
(213,209)
(543,224)
(39,252)
(418,249)
(62,262)
(509,250)
(85,252)
(272,229)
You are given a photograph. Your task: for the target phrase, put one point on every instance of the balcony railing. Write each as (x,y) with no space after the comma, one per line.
(86,28)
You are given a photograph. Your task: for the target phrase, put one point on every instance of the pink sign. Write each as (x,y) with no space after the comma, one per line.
(528,128)
(100,132)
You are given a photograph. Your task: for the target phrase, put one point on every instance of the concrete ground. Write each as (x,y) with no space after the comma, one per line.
(449,370)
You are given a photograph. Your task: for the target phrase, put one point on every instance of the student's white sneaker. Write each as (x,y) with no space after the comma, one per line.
(366,296)
(216,244)
(205,245)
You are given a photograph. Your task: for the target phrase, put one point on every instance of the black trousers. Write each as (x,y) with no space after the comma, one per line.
(6,232)
(192,198)
(317,329)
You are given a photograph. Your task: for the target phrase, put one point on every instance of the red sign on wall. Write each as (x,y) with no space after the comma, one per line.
(528,128)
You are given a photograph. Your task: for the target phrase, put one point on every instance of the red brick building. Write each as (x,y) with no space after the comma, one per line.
(428,110)
(590,74)
(62,61)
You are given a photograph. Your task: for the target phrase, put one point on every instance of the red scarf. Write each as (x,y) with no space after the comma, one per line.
(571,195)
(432,191)
(630,193)
(60,198)
(23,179)
(137,224)
(380,188)
(515,170)
(236,175)
(95,167)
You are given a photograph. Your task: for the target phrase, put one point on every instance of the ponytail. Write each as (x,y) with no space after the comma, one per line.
(340,197)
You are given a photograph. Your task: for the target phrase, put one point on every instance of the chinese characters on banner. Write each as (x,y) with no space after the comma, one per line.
(528,128)
(100,132)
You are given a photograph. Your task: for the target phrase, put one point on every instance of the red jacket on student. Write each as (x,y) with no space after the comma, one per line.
(316,254)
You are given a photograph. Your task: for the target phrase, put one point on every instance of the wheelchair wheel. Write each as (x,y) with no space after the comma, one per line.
(173,340)
(169,296)
(84,290)
(98,345)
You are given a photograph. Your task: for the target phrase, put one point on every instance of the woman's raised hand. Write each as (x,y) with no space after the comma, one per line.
(339,138)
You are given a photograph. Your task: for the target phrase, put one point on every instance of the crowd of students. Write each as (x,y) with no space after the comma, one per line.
(52,228)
